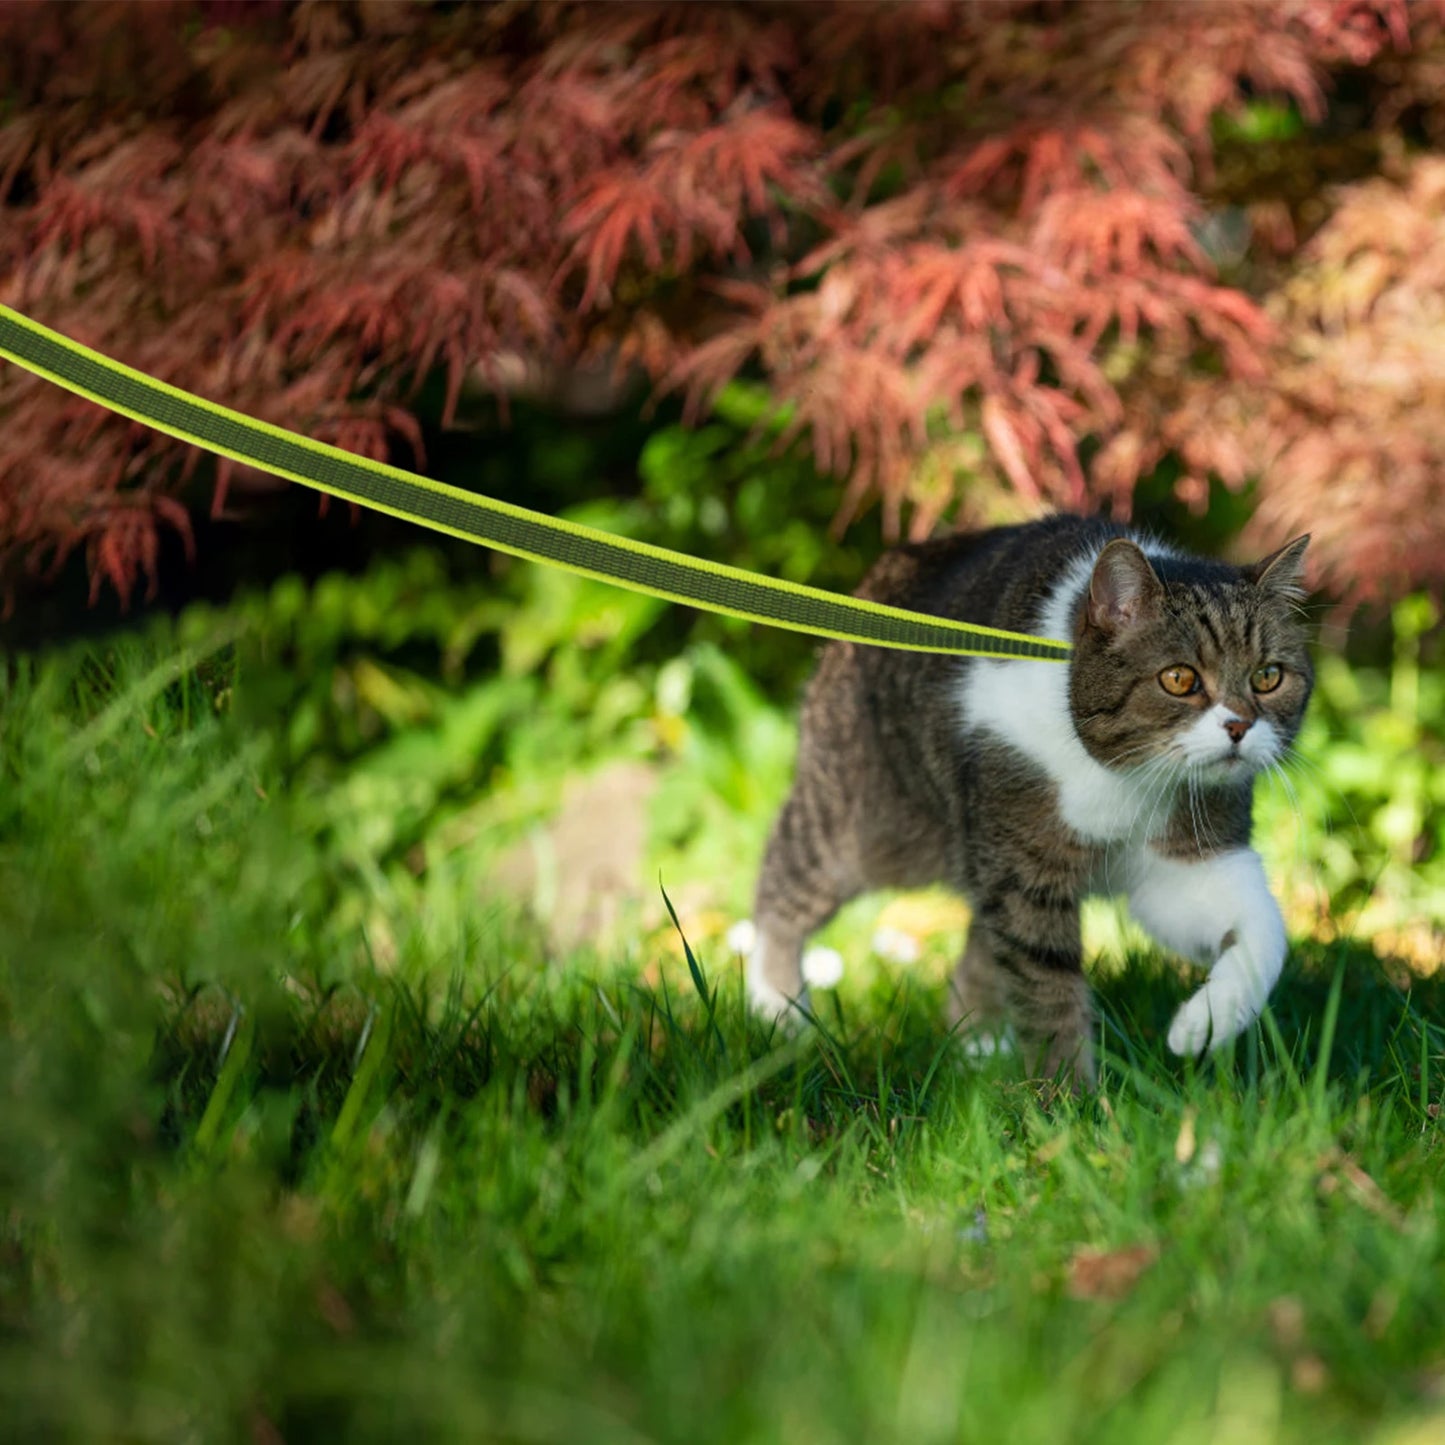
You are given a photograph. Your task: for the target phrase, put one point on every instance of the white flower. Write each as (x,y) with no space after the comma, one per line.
(895,945)
(742,936)
(823,967)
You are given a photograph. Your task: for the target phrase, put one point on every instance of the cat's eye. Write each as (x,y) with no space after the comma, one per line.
(1179,681)
(1266,678)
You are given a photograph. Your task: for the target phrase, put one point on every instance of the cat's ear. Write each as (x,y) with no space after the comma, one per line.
(1124,590)
(1282,572)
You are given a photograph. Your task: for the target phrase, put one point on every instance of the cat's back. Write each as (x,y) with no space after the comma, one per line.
(999,577)
(888,733)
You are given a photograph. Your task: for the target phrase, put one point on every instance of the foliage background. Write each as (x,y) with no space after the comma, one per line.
(983,256)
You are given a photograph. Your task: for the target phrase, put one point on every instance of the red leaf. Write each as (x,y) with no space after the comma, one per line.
(1003,438)
(1110,1274)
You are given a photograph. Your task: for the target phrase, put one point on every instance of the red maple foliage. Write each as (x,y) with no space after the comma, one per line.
(923,224)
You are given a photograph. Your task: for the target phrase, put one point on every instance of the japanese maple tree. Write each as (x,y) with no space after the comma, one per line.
(962,243)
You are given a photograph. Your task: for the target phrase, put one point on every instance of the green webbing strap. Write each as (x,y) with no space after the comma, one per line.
(643,568)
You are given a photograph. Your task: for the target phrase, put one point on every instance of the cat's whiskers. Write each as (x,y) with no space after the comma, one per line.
(1144,775)
(1148,773)
(1150,744)
(1148,776)
(1199,815)
(1171,756)
(1159,776)
(1192,784)
(1276,766)
(1295,758)
(1294,804)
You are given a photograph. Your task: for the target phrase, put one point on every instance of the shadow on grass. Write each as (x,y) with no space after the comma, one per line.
(329,1060)
(1337,1002)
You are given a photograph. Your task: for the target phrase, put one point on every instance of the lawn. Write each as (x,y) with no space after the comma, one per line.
(305,1136)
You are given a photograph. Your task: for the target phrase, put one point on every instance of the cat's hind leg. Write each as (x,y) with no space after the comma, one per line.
(978,1003)
(807,875)
(1032,935)
(1055,1013)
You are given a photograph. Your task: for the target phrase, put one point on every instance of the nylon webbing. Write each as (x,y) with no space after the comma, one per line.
(637,565)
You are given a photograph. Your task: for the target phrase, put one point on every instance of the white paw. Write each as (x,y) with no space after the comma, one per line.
(1218,1012)
(823,967)
(1190,1029)
(983,1044)
(777,1008)
(772,1003)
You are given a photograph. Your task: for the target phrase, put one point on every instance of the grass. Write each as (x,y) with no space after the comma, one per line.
(264,1176)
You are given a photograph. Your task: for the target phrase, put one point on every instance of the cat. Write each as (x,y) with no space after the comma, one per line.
(1026,785)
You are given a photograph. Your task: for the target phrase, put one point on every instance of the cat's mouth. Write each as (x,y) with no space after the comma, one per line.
(1227,767)
(1232,766)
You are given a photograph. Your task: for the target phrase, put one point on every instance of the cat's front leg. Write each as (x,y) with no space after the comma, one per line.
(1219,905)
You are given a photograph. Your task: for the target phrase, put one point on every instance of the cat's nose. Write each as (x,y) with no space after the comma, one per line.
(1236,727)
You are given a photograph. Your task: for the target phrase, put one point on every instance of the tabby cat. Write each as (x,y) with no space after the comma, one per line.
(1026,785)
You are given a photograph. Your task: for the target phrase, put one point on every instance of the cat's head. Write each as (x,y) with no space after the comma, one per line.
(1200,663)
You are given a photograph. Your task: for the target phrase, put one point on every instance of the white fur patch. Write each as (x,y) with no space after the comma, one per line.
(1208,748)
(1026,705)
(986,1044)
(1192,908)
(767,1000)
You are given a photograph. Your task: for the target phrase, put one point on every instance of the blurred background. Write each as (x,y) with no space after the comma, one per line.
(773,284)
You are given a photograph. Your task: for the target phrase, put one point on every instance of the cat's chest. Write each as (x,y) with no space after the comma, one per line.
(1025,705)
(1102,808)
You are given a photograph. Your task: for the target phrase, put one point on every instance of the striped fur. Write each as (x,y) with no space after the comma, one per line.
(1028,785)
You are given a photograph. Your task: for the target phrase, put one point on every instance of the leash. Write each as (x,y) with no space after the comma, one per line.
(658,571)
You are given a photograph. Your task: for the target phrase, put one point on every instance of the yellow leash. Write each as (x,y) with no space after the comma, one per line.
(636,565)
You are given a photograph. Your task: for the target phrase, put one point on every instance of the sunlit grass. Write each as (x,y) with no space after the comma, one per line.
(290,1149)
